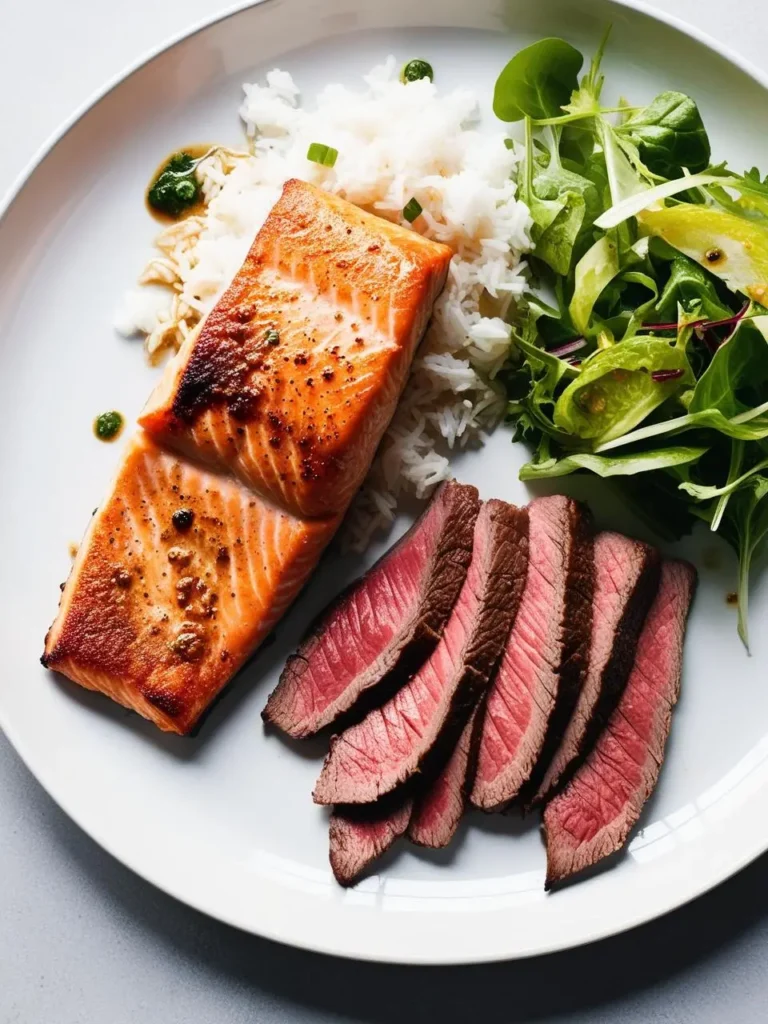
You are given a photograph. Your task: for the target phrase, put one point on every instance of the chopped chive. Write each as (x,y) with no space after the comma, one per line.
(272,337)
(318,153)
(412,210)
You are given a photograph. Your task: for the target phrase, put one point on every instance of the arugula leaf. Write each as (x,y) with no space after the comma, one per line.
(615,390)
(739,370)
(751,426)
(746,526)
(608,466)
(670,135)
(579,204)
(704,493)
(596,269)
(538,81)
(690,287)
(737,457)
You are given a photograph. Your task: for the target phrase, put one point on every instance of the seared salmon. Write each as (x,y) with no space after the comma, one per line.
(255,442)
(296,373)
(180,576)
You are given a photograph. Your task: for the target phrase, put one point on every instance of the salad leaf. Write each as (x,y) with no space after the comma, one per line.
(739,370)
(705,493)
(752,426)
(733,248)
(637,332)
(596,269)
(670,135)
(651,198)
(616,390)
(578,201)
(689,286)
(746,525)
(538,81)
(608,466)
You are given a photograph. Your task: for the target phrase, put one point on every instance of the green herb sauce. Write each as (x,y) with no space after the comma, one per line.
(415,70)
(107,426)
(175,189)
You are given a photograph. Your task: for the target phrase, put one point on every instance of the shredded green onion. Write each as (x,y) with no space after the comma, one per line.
(319,153)
(412,210)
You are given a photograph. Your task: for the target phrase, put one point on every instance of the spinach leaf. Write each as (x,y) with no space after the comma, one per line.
(538,81)
(615,390)
(608,466)
(670,135)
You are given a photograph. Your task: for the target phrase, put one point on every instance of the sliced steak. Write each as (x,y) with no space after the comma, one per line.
(419,726)
(361,833)
(437,813)
(548,643)
(593,816)
(385,625)
(626,581)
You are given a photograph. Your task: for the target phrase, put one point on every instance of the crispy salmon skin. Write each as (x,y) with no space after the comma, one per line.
(297,371)
(181,574)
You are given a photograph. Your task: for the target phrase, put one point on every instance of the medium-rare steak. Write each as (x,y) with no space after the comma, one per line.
(359,834)
(386,624)
(593,816)
(539,675)
(626,581)
(438,811)
(419,726)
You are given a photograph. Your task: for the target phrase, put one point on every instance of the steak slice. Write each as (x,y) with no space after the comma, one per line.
(439,810)
(361,833)
(384,625)
(548,643)
(593,816)
(626,581)
(418,727)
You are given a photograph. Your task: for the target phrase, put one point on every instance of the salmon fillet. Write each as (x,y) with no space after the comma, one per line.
(260,433)
(180,576)
(296,373)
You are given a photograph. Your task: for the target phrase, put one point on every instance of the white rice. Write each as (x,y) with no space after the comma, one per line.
(395,142)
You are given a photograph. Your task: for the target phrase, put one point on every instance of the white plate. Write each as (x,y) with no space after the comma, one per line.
(225,821)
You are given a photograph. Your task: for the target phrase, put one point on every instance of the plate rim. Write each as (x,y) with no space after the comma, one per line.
(285,936)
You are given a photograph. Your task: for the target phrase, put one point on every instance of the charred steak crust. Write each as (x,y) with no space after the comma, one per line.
(613,676)
(358,834)
(439,808)
(594,815)
(622,656)
(577,630)
(451,515)
(369,760)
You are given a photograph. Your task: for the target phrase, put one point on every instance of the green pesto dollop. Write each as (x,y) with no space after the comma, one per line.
(107,426)
(175,188)
(416,69)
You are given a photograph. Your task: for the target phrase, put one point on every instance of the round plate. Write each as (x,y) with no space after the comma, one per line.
(224,821)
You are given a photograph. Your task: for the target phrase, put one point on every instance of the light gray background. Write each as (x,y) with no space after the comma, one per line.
(84,941)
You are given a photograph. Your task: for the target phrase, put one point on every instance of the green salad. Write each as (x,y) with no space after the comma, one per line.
(640,353)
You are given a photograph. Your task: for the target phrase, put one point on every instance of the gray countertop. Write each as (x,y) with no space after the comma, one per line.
(84,941)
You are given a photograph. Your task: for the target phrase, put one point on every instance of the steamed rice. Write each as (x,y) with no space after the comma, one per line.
(395,142)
